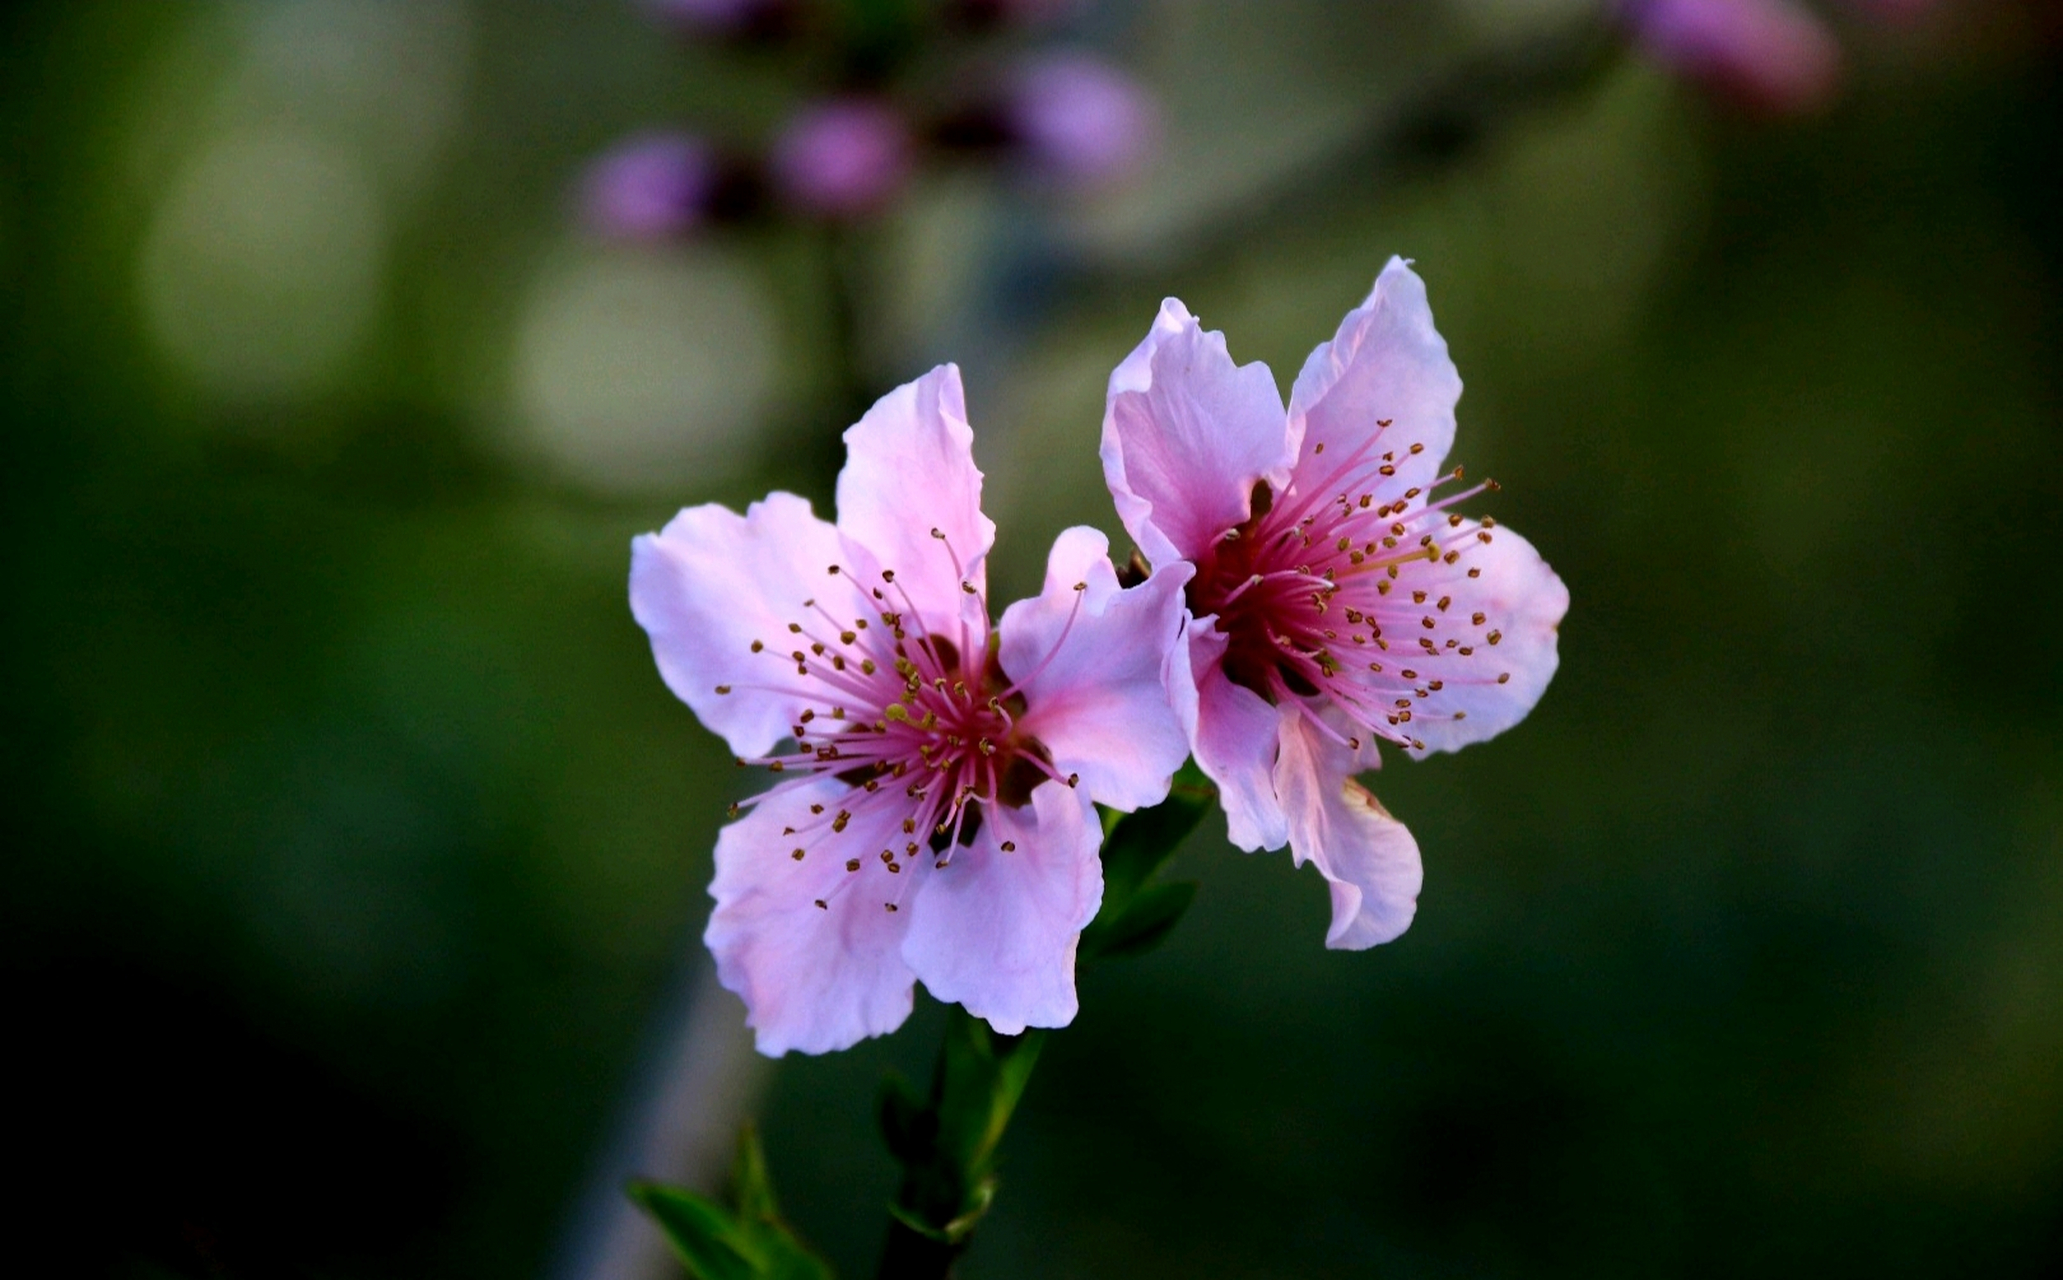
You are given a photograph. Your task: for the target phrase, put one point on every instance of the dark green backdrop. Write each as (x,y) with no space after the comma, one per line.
(353,840)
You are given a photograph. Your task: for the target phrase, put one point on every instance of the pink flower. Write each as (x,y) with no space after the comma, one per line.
(1080,121)
(935,820)
(650,187)
(1769,55)
(842,158)
(1337,599)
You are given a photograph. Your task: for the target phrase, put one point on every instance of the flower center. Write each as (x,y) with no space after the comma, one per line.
(1338,599)
(925,727)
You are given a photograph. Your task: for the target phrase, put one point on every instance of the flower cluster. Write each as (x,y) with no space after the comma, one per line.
(1313,592)
(1057,118)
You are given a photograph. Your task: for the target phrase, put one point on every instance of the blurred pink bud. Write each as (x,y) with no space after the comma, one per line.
(842,158)
(1080,120)
(1770,55)
(650,187)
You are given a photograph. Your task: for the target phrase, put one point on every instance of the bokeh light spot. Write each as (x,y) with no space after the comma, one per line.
(640,371)
(263,265)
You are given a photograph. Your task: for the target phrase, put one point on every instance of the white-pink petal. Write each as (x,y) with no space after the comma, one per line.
(1232,732)
(1387,363)
(1091,665)
(1186,434)
(712,582)
(1522,602)
(909,469)
(1369,860)
(813,978)
(996,930)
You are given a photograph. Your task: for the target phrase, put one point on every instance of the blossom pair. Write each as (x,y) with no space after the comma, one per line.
(1312,592)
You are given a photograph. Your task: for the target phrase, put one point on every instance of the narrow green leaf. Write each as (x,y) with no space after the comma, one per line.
(787,1259)
(1136,915)
(985,1075)
(1146,923)
(909,1218)
(979,1198)
(780,1255)
(749,1180)
(704,1234)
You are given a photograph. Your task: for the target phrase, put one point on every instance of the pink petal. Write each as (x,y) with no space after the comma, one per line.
(813,978)
(1386,363)
(996,931)
(1186,434)
(1368,859)
(1091,665)
(909,469)
(1522,601)
(1232,731)
(712,582)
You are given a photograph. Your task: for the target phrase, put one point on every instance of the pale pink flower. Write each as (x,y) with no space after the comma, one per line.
(1079,120)
(935,820)
(1769,55)
(651,187)
(1337,600)
(842,158)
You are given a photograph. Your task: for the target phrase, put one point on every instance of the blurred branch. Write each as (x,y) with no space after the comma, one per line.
(1447,122)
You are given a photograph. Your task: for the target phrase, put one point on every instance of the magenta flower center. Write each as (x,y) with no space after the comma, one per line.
(1343,589)
(925,727)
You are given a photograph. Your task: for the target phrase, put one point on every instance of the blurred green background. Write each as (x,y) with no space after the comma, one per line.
(358,853)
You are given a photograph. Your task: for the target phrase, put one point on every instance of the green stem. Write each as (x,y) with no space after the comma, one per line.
(948,1143)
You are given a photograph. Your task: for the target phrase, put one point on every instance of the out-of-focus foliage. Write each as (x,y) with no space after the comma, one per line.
(745,1242)
(352,840)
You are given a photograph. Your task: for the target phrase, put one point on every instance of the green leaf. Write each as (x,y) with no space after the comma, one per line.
(1135,915)
(707,1238)
(750,1183)
(787,1259)
(1146,923)
(718,1244)
(984,1076)
(1140,842)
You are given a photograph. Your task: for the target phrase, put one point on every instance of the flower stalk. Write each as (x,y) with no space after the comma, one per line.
(947,1142)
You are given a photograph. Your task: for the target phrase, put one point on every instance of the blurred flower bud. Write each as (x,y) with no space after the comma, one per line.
(723,18)
(1769,55)
(651,187)
(842,158)
(1079,120)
